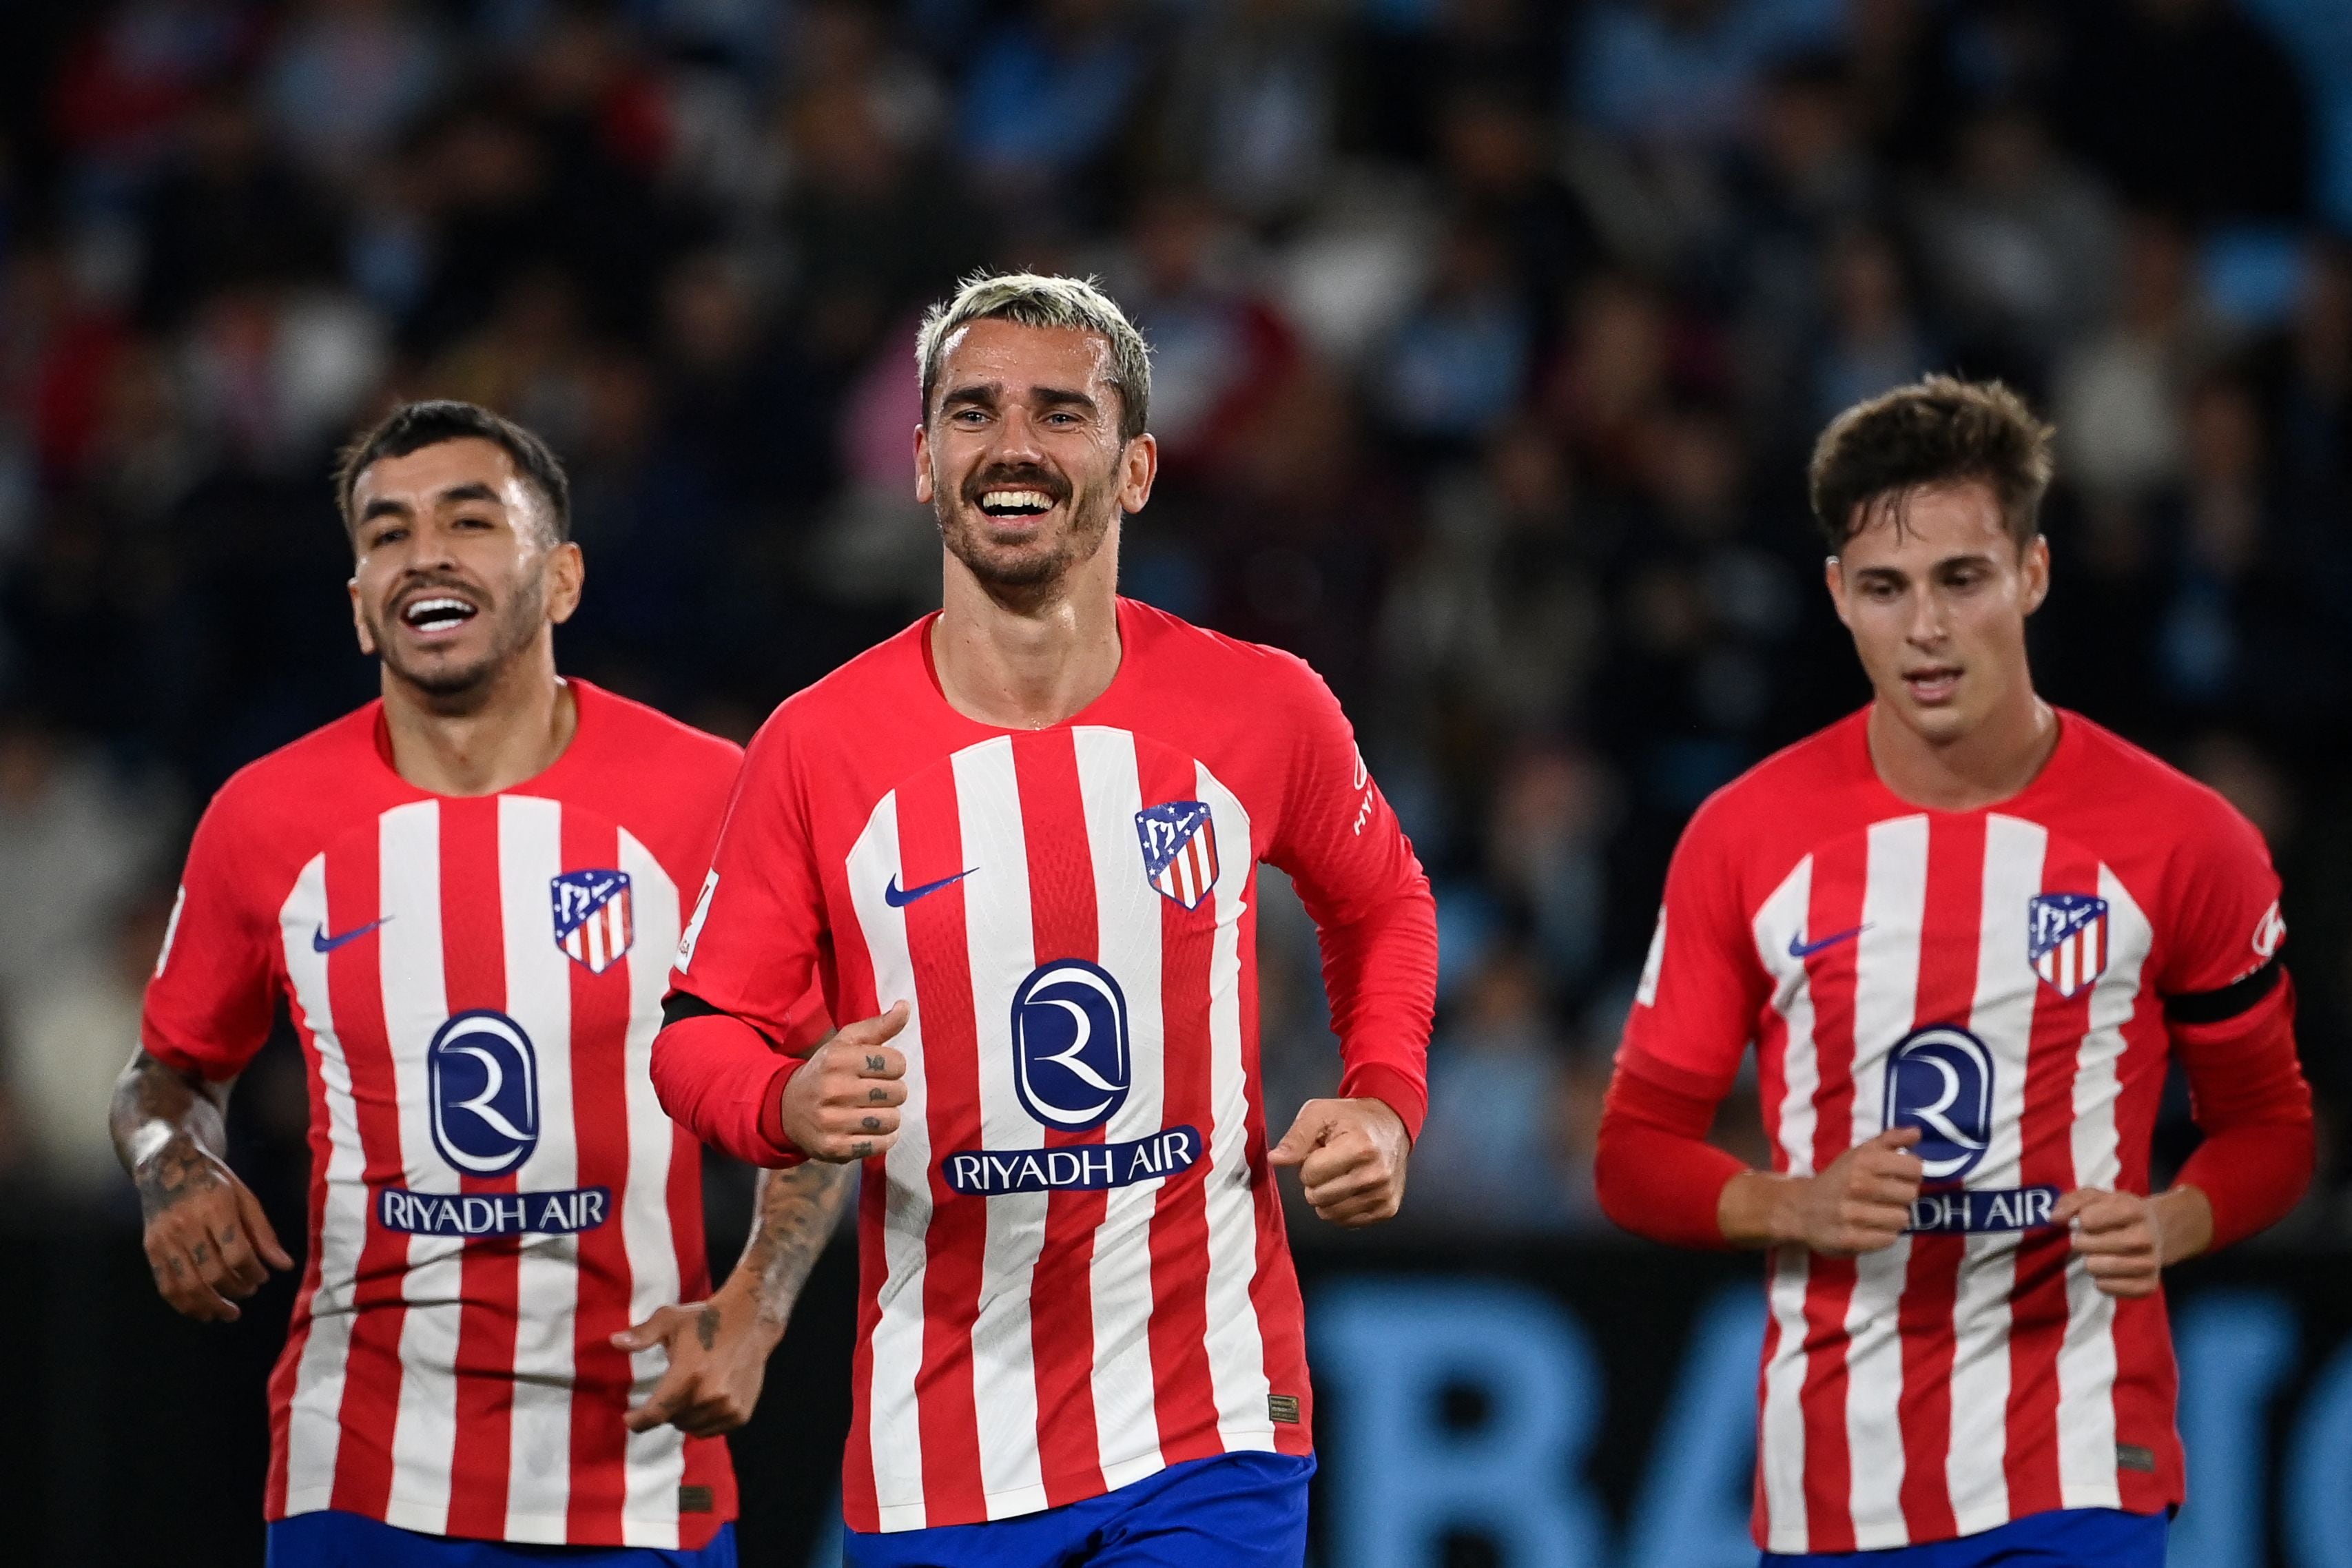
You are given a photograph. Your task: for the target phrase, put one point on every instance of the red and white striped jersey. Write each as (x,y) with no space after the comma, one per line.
(494,1187)
(1998,979)
(1075,1270)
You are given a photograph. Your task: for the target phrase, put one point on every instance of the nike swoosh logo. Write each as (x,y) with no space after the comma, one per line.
(899,898)
(322,943)
(1800,948)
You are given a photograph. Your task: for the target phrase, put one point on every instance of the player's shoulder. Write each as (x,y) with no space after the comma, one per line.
(651,739)
(2147,797)
(304,771)
(1175,650)
(881,679)
(1794,783)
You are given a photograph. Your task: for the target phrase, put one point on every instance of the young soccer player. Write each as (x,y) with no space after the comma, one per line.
(468,894)
(1017,843)
(1967,932)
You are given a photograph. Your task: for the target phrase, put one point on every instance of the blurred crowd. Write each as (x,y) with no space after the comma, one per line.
(1490,336)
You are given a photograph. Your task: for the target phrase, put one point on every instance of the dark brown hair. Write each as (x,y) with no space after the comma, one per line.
(413,426)
(1936,431)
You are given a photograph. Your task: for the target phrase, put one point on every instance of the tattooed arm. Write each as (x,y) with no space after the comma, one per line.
(718,1349)
(207,1240)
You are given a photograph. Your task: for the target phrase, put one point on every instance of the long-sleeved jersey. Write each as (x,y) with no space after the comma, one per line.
(1074,1271)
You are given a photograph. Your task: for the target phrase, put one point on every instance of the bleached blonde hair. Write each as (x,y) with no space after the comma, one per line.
(1034,300)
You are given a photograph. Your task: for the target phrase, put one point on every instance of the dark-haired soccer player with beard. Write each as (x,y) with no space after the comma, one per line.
(466,893)
(1967,932)
(1018,844)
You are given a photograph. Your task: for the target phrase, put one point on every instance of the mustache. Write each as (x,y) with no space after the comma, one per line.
(1015,477)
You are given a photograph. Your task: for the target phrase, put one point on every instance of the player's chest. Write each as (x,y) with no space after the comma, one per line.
(481,964)
(1930,957)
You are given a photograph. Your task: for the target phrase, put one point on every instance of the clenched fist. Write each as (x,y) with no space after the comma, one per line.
(1351,1155)
(842,1104)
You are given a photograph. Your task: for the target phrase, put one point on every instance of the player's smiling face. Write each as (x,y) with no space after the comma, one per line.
(459,569)
(1021,456)
(1935,593)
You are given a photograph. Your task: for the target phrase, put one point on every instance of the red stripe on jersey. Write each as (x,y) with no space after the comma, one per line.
(1183,1395)
(1063,921)
(1772,1089)
(1282,1334)
(2147,1381)
(1840,876)
(286,1374)
(372,1381)
(2038,1299)
(846,969)
(1950,931)
(600,1116)
(930,847)
(473,969)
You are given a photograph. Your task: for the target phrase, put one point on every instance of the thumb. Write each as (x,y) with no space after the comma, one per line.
(1300,1142)
(874,1031)
(1896,1138)
(645,1336)
(257,1226)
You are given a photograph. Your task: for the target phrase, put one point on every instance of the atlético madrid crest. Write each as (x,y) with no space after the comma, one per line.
(2067,937)
(594,923)
(1179,851)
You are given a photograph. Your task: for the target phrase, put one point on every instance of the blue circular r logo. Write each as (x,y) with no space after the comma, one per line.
(1070,1057)
(1939,1079)
(483,1082)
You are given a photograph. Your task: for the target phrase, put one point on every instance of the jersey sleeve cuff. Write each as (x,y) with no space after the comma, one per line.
(1399,1090)
(771,1113)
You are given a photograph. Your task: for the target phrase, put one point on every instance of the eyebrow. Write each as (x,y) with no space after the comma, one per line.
(986,393)
(391,506)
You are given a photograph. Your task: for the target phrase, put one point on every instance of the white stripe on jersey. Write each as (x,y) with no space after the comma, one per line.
(656,1460)
(2001,1015)
(314,1427)
(1885,999)
(1128,918)
(1237,1350)
(415,1004)
(2087,1359)
(895,1436)
(1783,1419)
(546,1273)
(999,940)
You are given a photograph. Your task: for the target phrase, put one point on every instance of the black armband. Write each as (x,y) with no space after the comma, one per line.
(2231,1000)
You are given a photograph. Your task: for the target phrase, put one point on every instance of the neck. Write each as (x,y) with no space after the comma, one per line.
(484,740)
(1035,662)
(1991,762)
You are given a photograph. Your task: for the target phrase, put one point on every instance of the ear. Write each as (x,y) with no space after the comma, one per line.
(1833,574)
(359,622)
(567,572)
(1139,465)
(2034,567)
(923,465)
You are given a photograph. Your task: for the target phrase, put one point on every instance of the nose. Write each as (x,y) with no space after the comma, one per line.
(1016,438)
(1927,627)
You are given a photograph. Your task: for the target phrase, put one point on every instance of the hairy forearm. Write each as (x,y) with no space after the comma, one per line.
(797,1210)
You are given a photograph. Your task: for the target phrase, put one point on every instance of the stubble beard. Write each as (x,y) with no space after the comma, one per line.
(1024,579)
(461,688)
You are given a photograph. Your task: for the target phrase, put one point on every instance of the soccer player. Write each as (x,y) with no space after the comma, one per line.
(468,894)
(1017,844)
(1967,932)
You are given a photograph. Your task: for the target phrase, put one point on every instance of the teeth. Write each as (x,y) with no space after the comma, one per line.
(436,610)
(1015,500)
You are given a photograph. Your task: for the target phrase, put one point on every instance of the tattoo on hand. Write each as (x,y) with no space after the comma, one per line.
(875,1063)
(861,1150)
(872,1124)
(706,1326)
(874,1097)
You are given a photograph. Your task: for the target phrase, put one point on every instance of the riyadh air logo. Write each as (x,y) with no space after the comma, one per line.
(1939,1079)
(484,1088)
(1070,1057)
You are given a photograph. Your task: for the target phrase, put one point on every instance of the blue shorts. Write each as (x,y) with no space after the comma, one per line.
(1232,1511)
(2062,1538)
(330,1539)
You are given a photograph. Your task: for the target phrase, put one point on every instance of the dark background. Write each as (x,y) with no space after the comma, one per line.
(1490,338)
